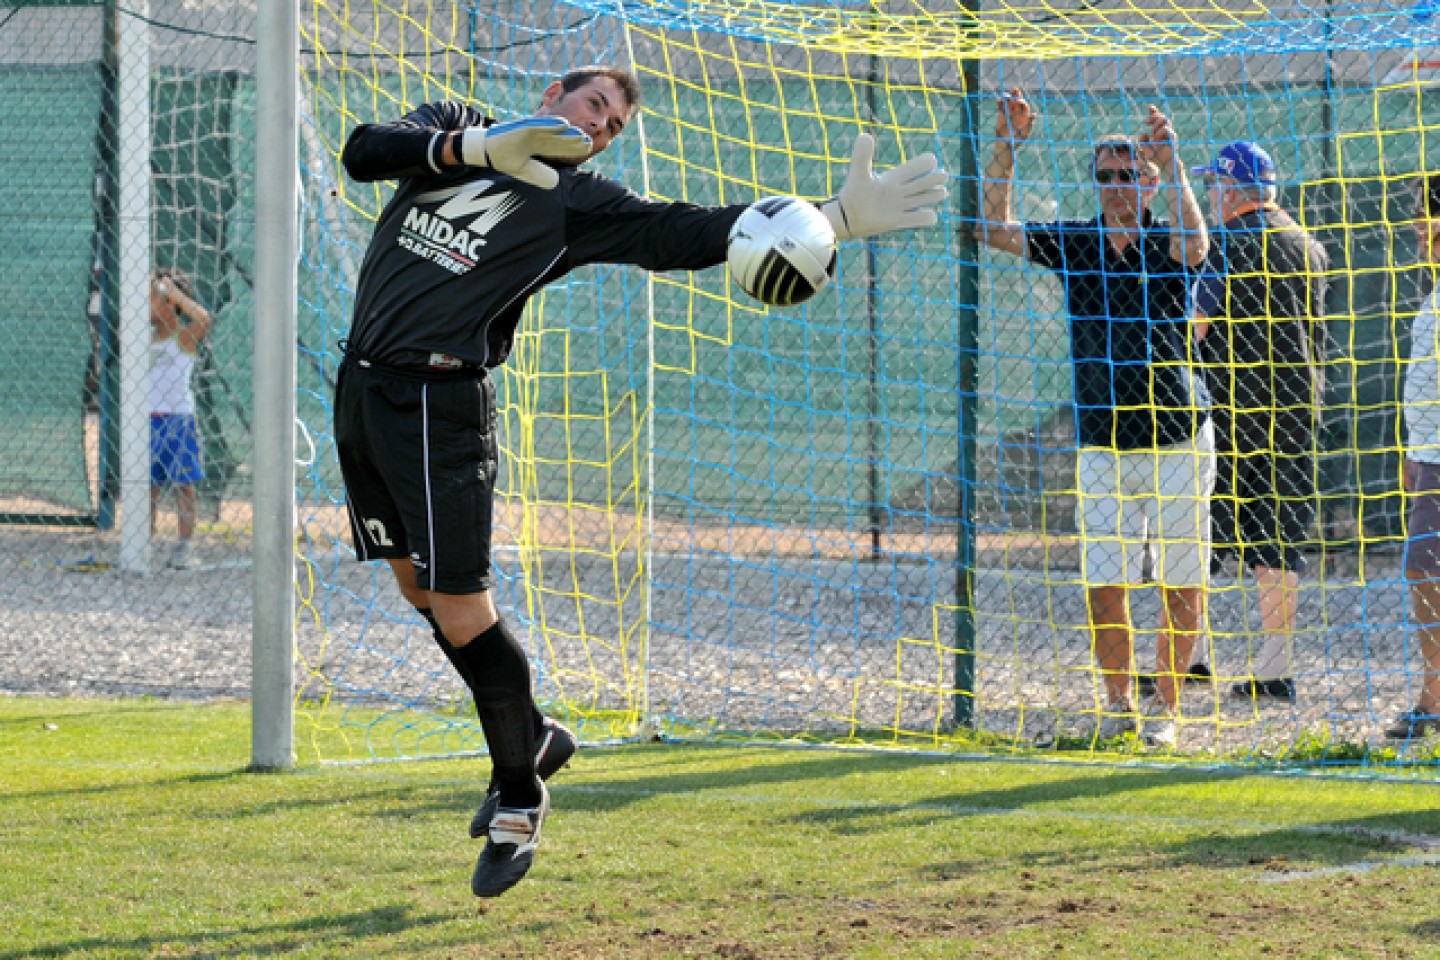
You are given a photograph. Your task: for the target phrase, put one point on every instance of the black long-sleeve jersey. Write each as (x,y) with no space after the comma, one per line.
(457,252)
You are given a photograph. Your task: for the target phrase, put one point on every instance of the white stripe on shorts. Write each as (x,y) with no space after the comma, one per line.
(429,501)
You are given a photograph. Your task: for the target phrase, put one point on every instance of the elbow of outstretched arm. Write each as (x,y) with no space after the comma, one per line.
(352,155)
(359,158)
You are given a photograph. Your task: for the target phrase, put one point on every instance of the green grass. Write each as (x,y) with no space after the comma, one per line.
(132,829)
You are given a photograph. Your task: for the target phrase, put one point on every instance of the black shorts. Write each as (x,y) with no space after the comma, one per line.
(419,459)
(1262,508)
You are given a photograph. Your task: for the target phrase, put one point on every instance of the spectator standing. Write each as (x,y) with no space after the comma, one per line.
(1257,309)
(1422,480)
(1146,463)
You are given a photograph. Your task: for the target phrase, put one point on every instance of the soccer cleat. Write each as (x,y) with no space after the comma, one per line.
(1159,728)
(510,847)
(1281,688)
(557,745)
(1413,724)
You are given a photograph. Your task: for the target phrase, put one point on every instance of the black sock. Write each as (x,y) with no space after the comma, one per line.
(447,648)
(500,679)
(453,656)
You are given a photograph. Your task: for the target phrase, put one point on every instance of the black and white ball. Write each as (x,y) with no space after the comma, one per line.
(782,251)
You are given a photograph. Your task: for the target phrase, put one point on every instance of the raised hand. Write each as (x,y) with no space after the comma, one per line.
(1016,118)
(1157,143)
(516,148)
(900,199)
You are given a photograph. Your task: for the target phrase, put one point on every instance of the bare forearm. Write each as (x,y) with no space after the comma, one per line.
(999,186)
(1189,240)
(198,321)
(998,228)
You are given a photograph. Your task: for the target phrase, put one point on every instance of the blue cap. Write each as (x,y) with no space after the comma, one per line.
(1243,161)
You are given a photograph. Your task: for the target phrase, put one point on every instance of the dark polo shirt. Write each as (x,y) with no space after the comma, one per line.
(1128,333)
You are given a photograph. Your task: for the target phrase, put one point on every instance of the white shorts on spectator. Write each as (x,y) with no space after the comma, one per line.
(1129,497)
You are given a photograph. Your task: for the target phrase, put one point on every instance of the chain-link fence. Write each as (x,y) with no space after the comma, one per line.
(726,517)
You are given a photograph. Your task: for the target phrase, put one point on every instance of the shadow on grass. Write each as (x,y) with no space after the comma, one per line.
(142,784)
(1360,841)
(107,711)
(1088,786)
(1429,930)
(258,940)
(818,766)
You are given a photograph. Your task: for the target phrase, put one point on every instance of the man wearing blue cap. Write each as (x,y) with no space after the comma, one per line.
(1256,308)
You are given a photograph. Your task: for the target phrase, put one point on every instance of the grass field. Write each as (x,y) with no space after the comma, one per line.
(132,829)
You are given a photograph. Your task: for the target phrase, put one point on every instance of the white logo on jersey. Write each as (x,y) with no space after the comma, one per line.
(378,533)
(454,233)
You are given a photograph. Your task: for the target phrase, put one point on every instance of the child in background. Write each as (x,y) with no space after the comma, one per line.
(178,326)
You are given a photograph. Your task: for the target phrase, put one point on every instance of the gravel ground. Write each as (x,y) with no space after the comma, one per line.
(752,643)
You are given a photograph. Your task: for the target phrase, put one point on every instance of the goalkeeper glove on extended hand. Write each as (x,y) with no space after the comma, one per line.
(898,199)
(516,148)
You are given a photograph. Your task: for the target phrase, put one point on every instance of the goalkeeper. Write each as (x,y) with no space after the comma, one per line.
(485,214)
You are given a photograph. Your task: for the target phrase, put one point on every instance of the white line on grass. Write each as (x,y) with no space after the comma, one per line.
(1359,866)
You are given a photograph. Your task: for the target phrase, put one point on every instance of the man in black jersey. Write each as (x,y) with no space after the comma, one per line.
(1145,462)
(1257,308)
(484,215)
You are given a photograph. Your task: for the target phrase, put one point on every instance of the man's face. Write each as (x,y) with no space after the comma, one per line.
(1427,229)
(598,108)
(1215,187)
(1124,187)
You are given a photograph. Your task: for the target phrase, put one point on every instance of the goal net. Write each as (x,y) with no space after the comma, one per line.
(856,520)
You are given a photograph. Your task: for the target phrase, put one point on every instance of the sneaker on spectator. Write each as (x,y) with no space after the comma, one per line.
(1413,725)
(1280,688)
(1159,728)
(1117,719)
(555,748)
(1199,673)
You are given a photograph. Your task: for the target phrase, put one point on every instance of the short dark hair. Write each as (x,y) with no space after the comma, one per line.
(629,86)
(1427,205)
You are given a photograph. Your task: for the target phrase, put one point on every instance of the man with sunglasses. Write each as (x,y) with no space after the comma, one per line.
(1146,459)
(1256,311)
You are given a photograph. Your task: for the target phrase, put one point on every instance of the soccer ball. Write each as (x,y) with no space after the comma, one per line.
(782,251)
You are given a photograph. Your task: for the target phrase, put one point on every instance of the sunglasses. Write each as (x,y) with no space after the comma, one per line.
(1103,177)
